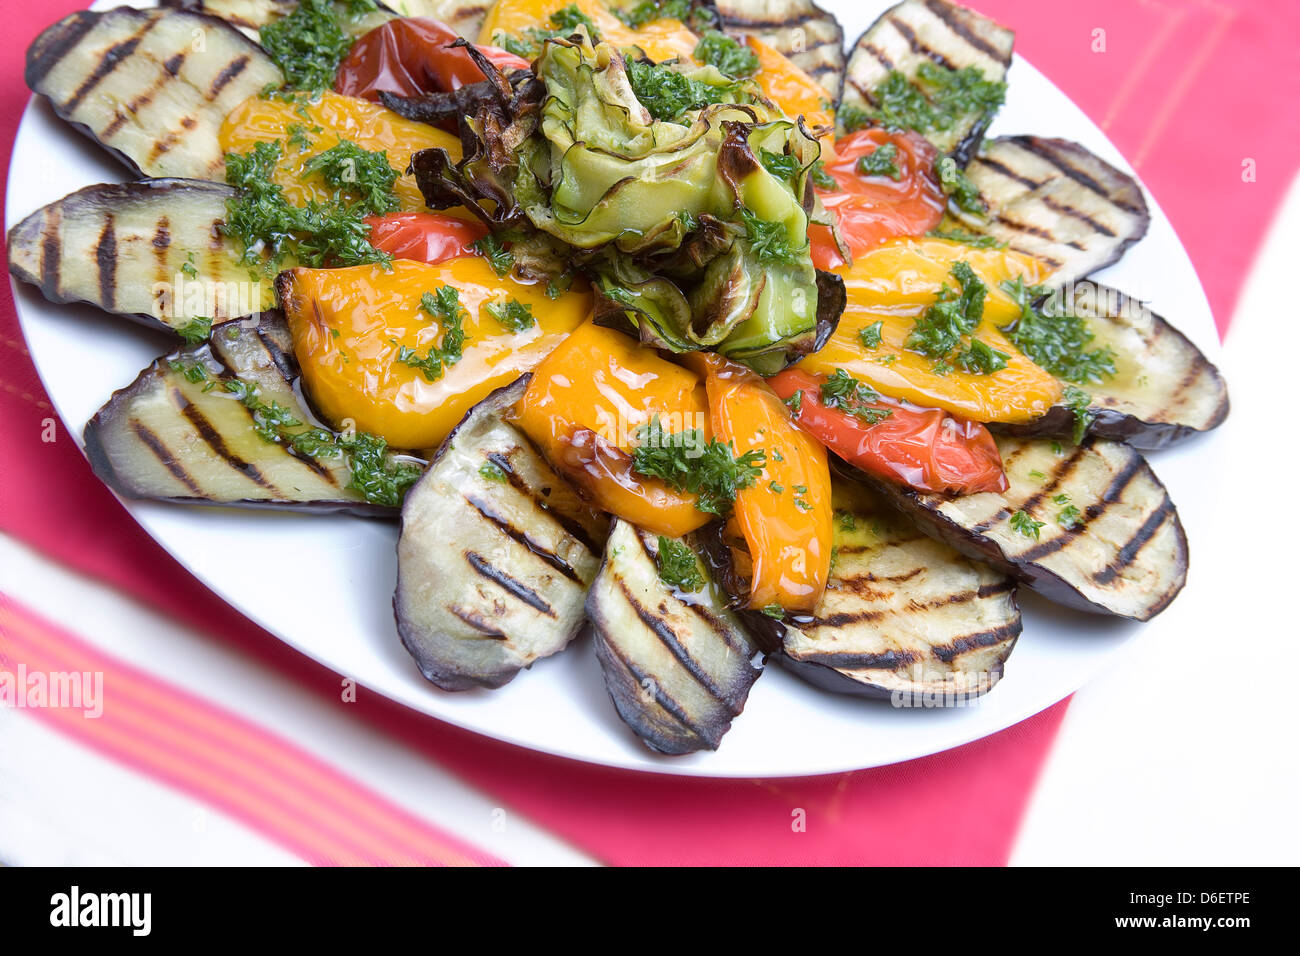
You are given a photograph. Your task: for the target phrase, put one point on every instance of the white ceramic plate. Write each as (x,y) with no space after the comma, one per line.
(333,575)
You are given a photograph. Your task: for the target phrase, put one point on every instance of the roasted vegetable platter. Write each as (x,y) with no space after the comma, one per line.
(721,388)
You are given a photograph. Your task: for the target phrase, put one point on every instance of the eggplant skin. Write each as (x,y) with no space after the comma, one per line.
(1053,199)
(1165,390)
(916,31)
(165,438)
(495,555)
(809,36)
(677,667)
(125,248)
(151,86)
(903,615)
(1126,557)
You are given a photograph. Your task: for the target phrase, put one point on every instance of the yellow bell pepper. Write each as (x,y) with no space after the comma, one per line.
(662,39)
(785,515)
(793,91)
(369,125)
(348,326)
(583,408)
(894,285)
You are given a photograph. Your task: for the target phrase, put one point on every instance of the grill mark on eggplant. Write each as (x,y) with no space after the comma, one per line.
(890,660)
(972,642)
(109,62)
(1058,542)
(1127,554)
(572,527)
(508,584)
(1059,475)
(521,537)
(1003,170)
(668,638)
(106,260)
(52,53)
(51,252)
(477,621)
(213,438)
(227,74)
(667,703)
(701,611)
(173,63)
(913,41)
(1079,214)
(944,12)
(164,456)
(879,56)
(1079,176)
(841,618)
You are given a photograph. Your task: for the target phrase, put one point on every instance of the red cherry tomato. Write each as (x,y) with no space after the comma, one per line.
(873,208)
(424,236)
(413,55)
(923,448)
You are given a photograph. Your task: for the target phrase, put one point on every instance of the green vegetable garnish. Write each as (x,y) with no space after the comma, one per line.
(1068,517)
(841,390)
(196,330)
(935,100)
(953,315)
(686,463)
(513,315)
(972,239)
(732,58)
(491,471)
(1024,522)
(490,248)
(1080,402)
(870,336)
(1058,343)
(309,43)
(961,192)
(980,358)
(367,172)
(678,566)
(882,161)
(443,305)
(769,241)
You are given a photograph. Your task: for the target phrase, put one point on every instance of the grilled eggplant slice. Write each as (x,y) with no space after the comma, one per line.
(811,37)
(248,16)
(1055,200)
(148,250)
(495,557)
(1124,553)
(916,32)
(902,613)
(151,86)
(1165,389)
(177,435)
(678,666)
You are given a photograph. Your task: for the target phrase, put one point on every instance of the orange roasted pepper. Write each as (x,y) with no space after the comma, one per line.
(894,284)
(369,125)
(348,326)
(583,408)
(785,515)
(662,39)
(793,91)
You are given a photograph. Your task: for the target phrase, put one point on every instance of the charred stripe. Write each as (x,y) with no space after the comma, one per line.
(218,444)
(227,74)
(106,261)
(962,645)
(1079,214)
(477,621)
(945,11)
(106,65)
(519,536)
(1135,544)
(164,456)
(913,41)
(504,581)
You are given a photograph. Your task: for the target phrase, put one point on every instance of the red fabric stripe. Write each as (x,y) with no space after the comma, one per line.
(276,788)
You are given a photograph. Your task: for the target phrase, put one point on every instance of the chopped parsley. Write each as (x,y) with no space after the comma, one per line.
(774,610)
(780,165)
(678,566)
(881,161)
(953,315)
(685,463)
(512,315)
(1079,402)
(980,358)
(795,402)
(262,220)
(870,335)
(1058,343)
(852,117)
(822,179)
(443,305)
(1068,517)
(961,192)
(731,58)
(309,43)
(196,330)
(668,94)
(561,24)
(1024,522)
(187,266)
(845,520)
(769,241)
(648,11)
(972,239)
(367,172)
(192,372)
(935,100)
(498,257)
(374,474)
(844,392)
(491,471)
